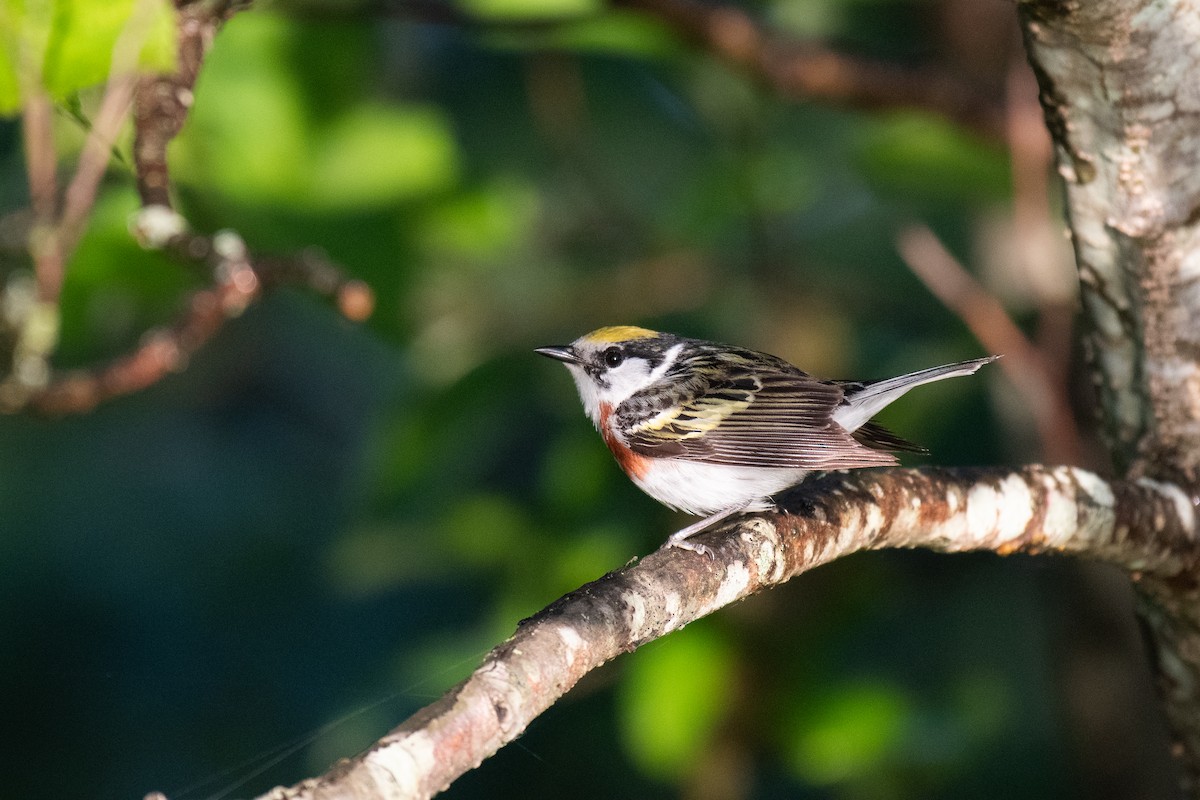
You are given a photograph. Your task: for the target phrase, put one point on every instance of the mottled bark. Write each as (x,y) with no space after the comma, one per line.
(1120,85)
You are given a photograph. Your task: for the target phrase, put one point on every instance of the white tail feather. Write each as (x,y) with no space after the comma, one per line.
(868,401)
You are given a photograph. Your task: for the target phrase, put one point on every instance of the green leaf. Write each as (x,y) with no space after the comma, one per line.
(674,698)
(512,10)
(254,137)
(63,46)
(851,731)
(378,154)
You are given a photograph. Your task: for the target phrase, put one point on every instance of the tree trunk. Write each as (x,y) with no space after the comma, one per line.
(1120,85)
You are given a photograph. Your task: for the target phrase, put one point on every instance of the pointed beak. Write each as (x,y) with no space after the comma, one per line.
(563,353)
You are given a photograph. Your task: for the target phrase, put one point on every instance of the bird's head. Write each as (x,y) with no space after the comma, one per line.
(611,364)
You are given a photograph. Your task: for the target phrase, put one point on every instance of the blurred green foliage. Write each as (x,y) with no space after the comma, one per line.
(317,528)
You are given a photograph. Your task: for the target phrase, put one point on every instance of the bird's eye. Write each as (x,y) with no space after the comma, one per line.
(613,357)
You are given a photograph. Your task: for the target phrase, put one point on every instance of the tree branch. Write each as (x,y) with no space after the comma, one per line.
(1133,196)
(983,314)
(238,281)
(807,71)
(1119,94)
(812,72)
(162,102)
(161,105)
(1141,526)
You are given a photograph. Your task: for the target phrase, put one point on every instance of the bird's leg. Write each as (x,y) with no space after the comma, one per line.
(680,537)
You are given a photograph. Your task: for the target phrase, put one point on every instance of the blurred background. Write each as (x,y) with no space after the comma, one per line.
(264,562)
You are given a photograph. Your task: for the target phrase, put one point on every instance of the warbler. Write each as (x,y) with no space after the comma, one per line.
(713,429)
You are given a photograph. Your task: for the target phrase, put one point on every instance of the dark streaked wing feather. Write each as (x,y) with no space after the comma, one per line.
(877,437)
(772,418)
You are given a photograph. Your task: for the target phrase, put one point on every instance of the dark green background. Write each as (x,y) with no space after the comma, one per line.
(318,527)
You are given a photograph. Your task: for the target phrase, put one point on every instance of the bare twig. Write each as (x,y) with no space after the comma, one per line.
(797,70)
(1142,526)
(41,166)
(238,281)
(80,194)
(161,108)
(989,322)
(162,102)
(810,71)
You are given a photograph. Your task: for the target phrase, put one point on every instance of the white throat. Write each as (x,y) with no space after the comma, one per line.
(621,382)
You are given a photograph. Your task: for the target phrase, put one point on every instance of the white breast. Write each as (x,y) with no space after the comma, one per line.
(704,489)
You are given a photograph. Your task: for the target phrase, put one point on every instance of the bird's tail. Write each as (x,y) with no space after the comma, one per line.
(865,400)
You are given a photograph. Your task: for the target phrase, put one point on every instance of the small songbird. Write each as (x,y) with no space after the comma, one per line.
(712,429)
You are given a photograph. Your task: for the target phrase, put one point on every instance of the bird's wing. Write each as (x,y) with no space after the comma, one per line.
(765,418)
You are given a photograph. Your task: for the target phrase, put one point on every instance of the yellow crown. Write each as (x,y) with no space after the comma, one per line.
(620,333)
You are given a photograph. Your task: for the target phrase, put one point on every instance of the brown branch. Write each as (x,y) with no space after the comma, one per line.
(950,282)
(162,102)
(238,281)
(40,160)
(161,105)
(812,72)
(1141,526)
(80,194)
(805,71)
(42,171)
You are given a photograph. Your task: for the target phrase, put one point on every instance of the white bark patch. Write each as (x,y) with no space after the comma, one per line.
(1061,516)
(572,642)
(396,768)
(1184,507)
(767,560)
(635,608)
(737,578)
(982,511)
(671,606)
(998,514)
(1016,507)
(1097,489)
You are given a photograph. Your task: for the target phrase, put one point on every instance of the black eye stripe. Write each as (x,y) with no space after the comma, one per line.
(613,357)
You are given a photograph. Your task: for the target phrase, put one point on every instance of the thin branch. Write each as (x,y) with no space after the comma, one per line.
(80,194)
(1143,526)
(805,71)
(42,169)
(40,161)
(162,103)
(812,72)
(950,282)
(238,281)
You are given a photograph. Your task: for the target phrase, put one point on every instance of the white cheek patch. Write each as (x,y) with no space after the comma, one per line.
(632,375)
(635,374)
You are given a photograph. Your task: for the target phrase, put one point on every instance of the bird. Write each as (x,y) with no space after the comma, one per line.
(713,429)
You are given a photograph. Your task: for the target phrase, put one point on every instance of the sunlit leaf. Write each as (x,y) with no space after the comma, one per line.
(381,154)
(849,731)
(62,46)
(674,697)
(255,143)
(510,10)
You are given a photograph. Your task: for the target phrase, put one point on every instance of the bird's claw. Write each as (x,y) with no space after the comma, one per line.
(695,547)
